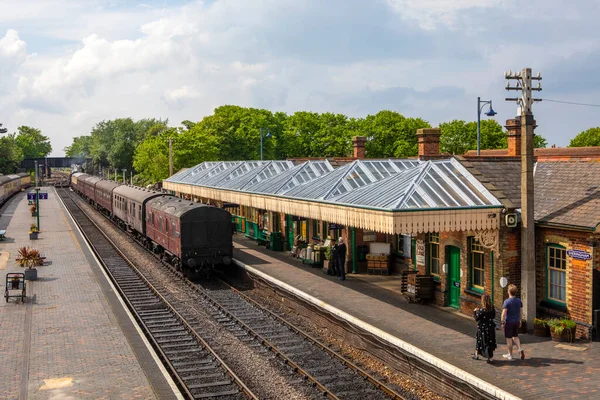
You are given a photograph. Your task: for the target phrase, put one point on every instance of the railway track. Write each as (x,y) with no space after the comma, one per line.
(262,330)
(197,369)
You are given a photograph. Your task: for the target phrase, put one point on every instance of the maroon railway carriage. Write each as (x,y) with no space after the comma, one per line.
(129,206)
(104,194)
(196,236)
(90,187)
(77,181)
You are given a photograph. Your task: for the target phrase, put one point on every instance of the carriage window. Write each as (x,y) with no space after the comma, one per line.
(173,229)
(167,226)
(140,211)
(160,224)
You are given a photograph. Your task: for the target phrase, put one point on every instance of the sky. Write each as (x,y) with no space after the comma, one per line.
(66,65)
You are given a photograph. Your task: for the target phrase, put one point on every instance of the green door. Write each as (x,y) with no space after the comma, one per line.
(453,260)
(289,230)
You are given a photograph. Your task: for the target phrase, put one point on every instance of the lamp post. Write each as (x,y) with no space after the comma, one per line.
(268,135)
(124,176)
(490,113)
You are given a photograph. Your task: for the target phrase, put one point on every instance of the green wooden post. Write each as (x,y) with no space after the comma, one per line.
(353,236)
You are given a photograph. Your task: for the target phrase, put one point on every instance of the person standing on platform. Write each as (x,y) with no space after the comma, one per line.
(340,257)
(512,315)
(486,330)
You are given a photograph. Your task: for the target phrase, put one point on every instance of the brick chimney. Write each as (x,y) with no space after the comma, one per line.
(513,126)
(358,145)
(428,140)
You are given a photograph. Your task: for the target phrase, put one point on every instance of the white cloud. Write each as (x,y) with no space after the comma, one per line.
(430,14)
(179,62)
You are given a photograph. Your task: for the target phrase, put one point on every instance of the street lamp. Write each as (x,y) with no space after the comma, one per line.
(490,113)
(268,135)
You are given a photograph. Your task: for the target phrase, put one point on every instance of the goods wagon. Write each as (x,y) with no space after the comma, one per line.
(196,237)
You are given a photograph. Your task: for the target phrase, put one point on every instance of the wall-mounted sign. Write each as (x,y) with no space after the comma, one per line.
(579,254)
(335,226)
(420,252)
(369,236)
(456,284)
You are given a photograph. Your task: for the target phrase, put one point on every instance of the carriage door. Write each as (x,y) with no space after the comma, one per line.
(453,260)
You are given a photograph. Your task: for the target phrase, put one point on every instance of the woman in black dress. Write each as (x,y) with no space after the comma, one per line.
(486,330)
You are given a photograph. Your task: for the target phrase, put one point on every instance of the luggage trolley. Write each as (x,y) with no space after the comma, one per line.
(15,286)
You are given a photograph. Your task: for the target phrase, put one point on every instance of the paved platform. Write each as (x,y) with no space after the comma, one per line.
(550,370)
(72,338)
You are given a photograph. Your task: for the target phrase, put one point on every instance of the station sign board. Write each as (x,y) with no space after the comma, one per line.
(43,196)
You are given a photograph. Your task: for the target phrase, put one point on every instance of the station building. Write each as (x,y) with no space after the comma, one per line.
(437,214)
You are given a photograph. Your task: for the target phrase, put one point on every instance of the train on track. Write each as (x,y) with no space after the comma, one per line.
(11,184)
(194,237)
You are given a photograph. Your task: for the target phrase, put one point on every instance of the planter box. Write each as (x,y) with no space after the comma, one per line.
(33,214)
(541,330)
(33,235)
(31,274)
(567,335)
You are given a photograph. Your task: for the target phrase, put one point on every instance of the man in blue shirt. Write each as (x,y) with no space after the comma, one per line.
(512,315)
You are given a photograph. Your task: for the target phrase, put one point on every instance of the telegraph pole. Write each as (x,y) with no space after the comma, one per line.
(170,156)
(523,84)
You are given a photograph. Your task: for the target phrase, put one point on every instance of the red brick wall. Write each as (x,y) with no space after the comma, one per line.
(579,275)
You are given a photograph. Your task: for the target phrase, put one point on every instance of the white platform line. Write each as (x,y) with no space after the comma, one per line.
(162,368)
(409,348)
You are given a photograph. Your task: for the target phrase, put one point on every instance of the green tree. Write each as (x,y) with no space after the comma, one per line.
(539,142)
(10,154)
(79,148)
(590,137)
(32,143)
(459,136)
(151,157)
(390,134)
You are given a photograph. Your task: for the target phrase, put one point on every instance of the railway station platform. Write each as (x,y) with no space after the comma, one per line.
(440,336)
(71,338)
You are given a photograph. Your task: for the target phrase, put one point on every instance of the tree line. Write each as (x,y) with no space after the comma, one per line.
(233,133)
(27,142)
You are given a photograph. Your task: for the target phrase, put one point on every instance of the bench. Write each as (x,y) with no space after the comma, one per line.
(2,234)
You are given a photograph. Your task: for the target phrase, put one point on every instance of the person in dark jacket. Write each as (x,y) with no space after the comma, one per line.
(486,330)
(340,256)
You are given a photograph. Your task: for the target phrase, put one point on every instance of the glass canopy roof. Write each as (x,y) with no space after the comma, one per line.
(387,184)
(430,185)
(291,178)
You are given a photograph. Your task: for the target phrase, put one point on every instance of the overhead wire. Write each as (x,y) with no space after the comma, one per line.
(572,103)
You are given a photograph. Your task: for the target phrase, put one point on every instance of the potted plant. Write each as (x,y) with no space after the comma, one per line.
(562,330)
(540,328)
(33,210)
(33,232)
(28,259)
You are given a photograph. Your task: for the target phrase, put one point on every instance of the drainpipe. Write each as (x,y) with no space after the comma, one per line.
(492,265)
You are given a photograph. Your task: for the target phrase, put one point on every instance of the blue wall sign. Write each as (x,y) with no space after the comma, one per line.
(457,284)
(579,254)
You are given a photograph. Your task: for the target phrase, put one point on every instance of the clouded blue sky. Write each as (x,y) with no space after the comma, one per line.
(68,64)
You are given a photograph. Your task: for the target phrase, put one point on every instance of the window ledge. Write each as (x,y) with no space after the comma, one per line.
(474,292)
(553,306)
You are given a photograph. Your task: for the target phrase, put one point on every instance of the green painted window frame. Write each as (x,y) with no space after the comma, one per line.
(433,242)
(471,254)
(315,229)
(547,271)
